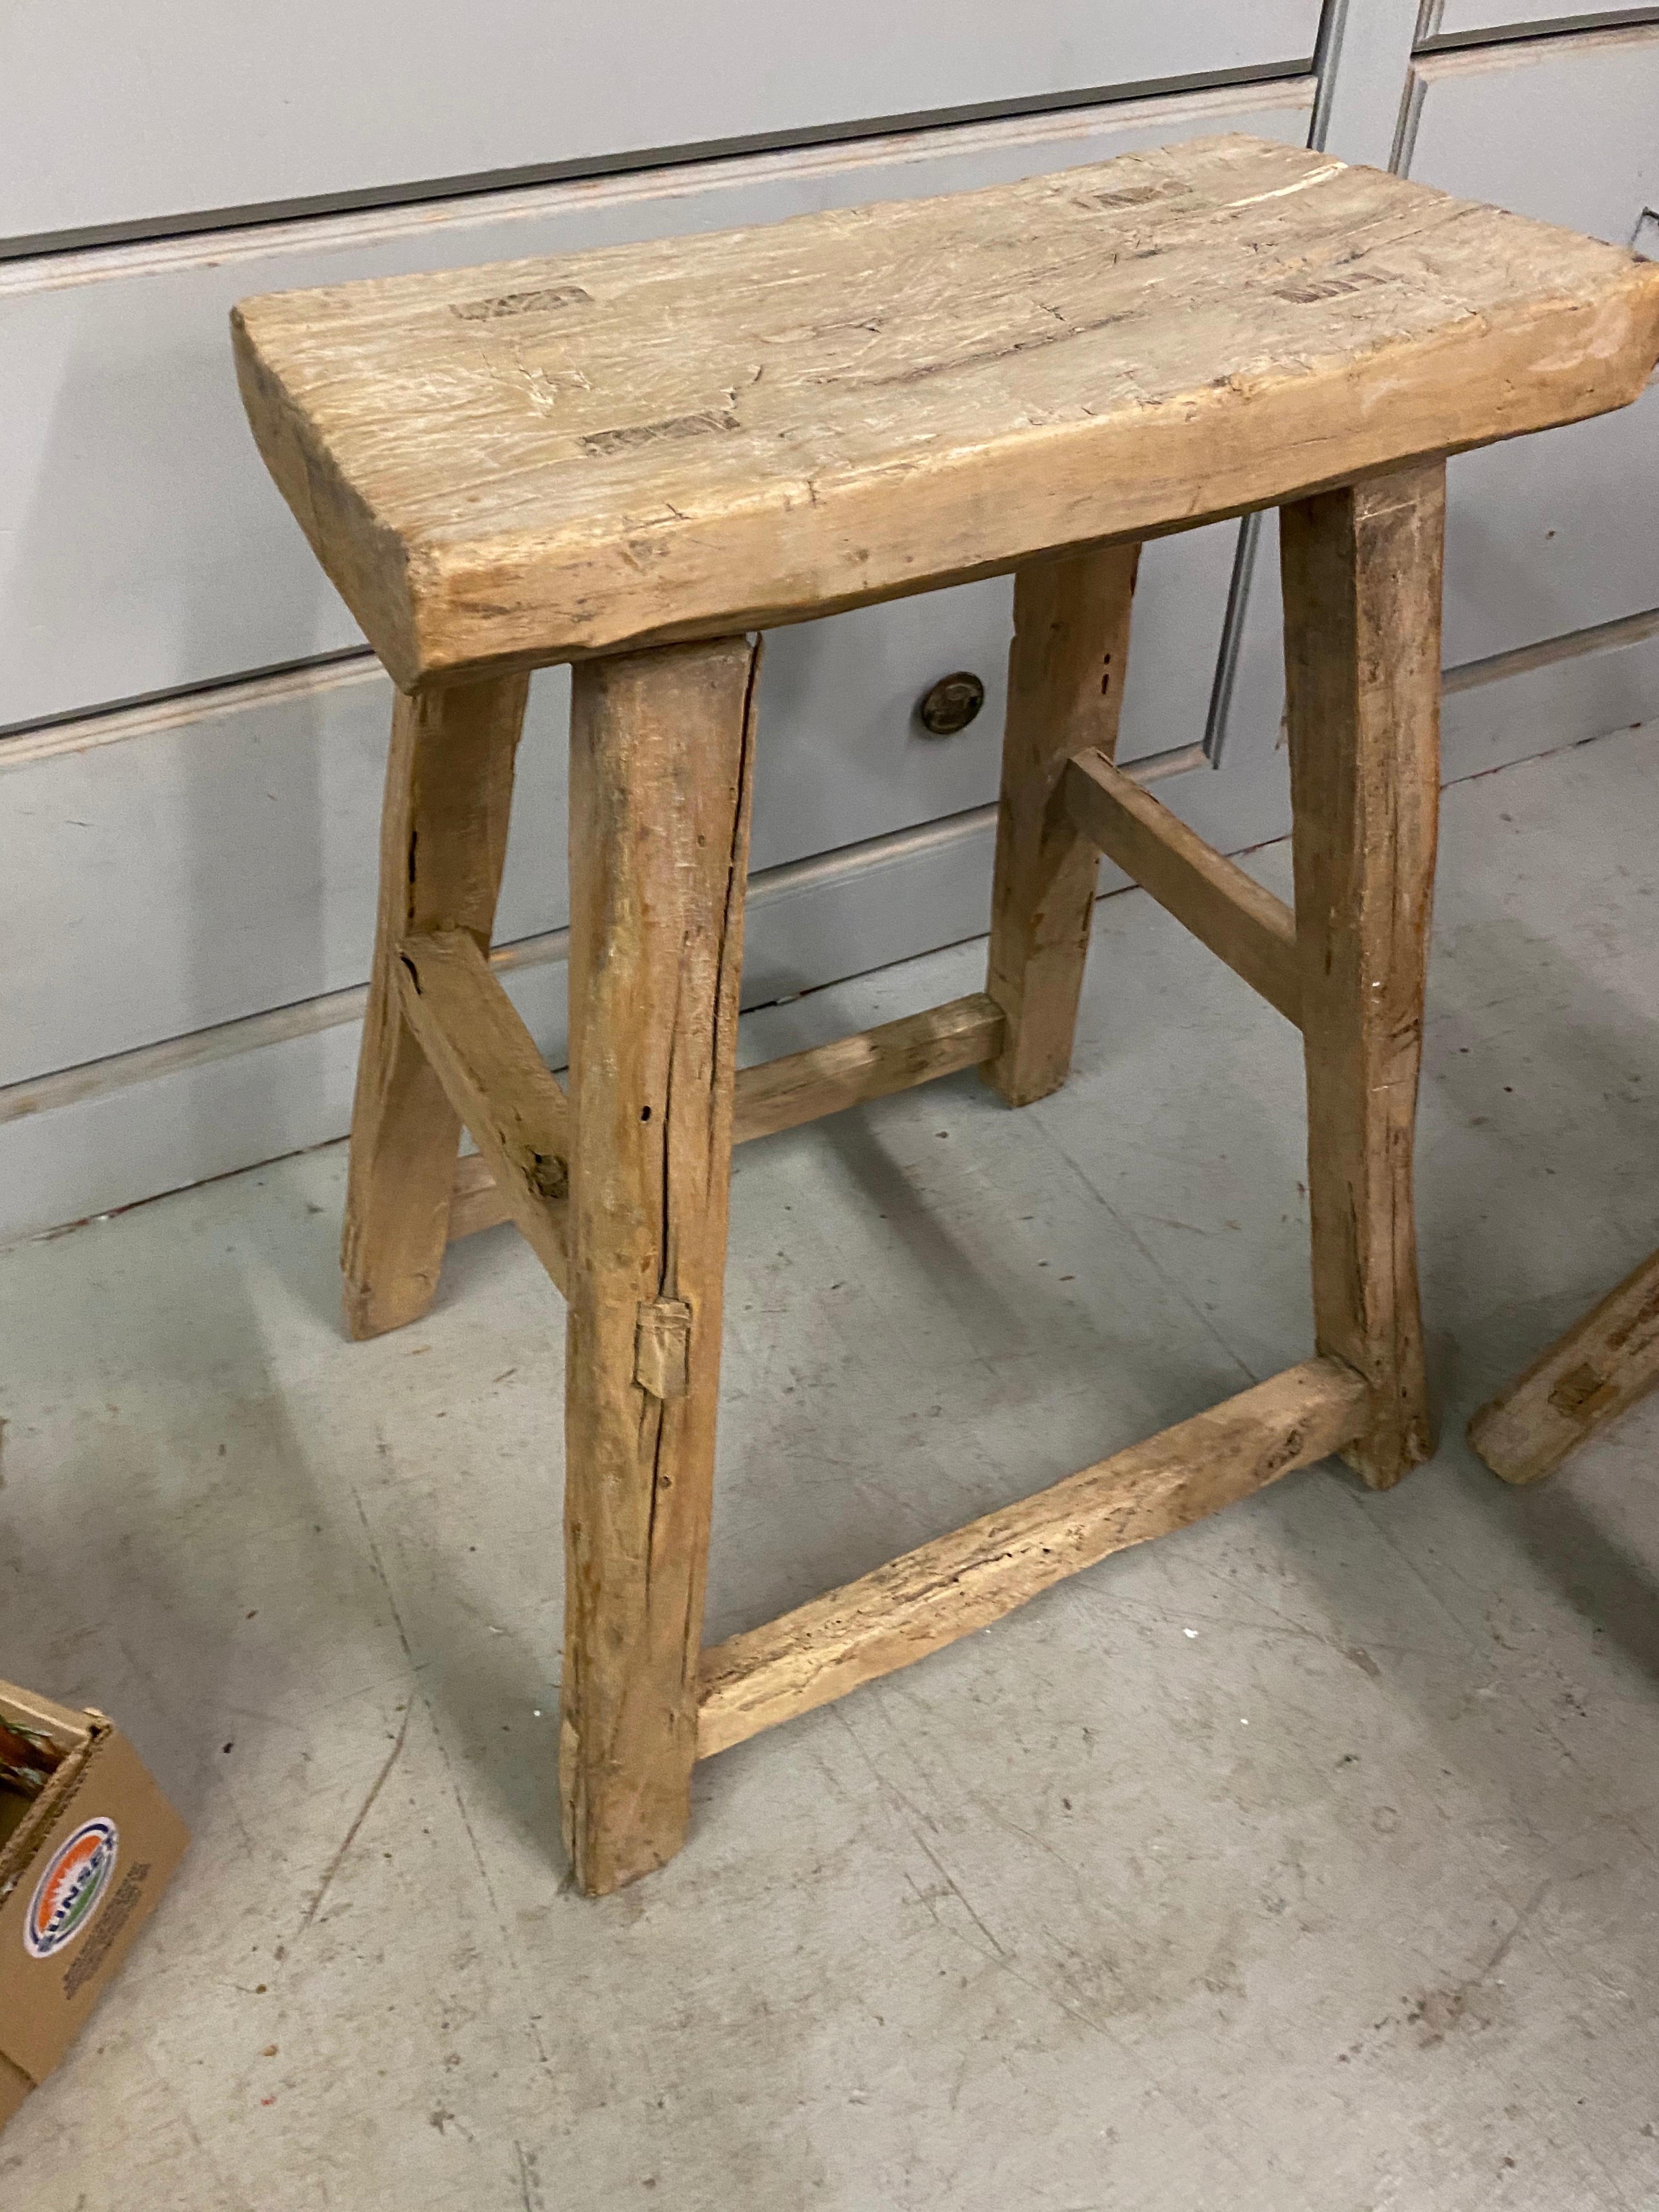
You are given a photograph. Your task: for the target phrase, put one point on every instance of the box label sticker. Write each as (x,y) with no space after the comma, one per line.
(66,1896)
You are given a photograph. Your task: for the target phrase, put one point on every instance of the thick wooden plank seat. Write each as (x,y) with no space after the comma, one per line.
(632,460)
(550,458)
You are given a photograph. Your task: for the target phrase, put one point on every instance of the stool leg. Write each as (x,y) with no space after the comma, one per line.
(1066,671)
(1362,650)
(659,784)
(443,837)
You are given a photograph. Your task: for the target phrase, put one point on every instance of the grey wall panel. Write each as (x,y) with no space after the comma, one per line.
(128,1140)
(220,860)
(1560,703)
(1554,533)
(1557,532)
(110,113)
(208,1119)
(1563,129)
(1456,19)
(211,858)
(1492,714)
(183,876)
(1363,78)
(143,548)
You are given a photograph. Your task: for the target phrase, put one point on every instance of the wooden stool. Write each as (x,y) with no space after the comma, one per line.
(1593,1372)
(629,460)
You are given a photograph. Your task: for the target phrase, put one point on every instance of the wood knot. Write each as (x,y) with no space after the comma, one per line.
(1582,1393)
(547,1176)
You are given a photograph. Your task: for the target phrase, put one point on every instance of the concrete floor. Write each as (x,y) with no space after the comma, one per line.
(1306,1859)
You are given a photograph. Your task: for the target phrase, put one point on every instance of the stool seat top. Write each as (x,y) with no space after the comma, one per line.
(544,459)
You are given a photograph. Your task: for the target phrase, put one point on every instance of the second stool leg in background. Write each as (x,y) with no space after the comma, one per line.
(1066,671)
(443,839)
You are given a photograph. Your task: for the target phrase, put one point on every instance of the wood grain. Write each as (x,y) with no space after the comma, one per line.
(493,1076)
(475,1203)
(1592,1373)
(964,1581)
(1067,669)
(443,838)
(660,792)
(553,458)
(803,1087)
(1361,570)
(1243,924)
(825,1079)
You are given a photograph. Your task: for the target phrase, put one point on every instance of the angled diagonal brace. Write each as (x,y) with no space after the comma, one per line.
(495,1078)
(1243,924)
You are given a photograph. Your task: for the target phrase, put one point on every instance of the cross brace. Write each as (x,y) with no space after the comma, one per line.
(519,1117)
(778,1094)
(1249,928)
(1243,924)
(494,1077)
(962,1581)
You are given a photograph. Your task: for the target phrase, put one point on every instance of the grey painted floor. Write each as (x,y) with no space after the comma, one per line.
(1307,1859)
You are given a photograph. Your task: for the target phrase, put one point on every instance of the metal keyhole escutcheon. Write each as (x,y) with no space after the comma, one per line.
(952,703)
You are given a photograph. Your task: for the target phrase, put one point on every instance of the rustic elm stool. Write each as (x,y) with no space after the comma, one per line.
(632,459)
(1593,1372)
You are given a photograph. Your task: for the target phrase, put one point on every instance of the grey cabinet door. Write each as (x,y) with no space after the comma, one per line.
(113,114)
(1549,539)
(225,840)
(1556,533)
(1457,19)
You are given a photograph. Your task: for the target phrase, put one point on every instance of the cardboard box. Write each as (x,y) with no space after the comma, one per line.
(87,1846)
